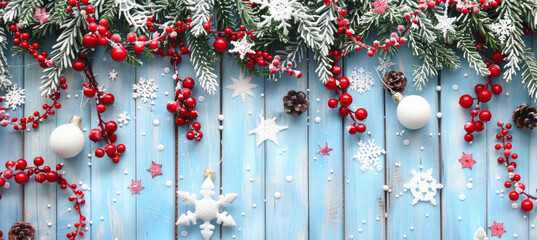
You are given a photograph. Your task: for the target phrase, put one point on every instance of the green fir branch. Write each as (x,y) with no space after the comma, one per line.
(529,75)
(202,57)
(200,11)
(467,45)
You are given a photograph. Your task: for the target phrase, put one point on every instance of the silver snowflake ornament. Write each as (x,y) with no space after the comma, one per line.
(369,155)
(123,118)
(145,89)
(423,186)
(280,11)
(445,24)
(14,97)
(242,47)
(361,81)
(267,130)
(502,29)
(385,65)
(207,209)
(113,75)
(242,86)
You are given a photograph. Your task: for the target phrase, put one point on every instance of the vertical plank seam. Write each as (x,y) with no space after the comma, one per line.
(135,155)
(176,142)
(308,141)
(386,193)
(440,166)
(220,132)
(343,167)
(23,141)
(265,155)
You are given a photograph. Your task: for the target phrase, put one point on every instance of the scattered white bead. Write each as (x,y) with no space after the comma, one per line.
(438,88)
(143,133)
(248,168)
(254,205)
(184,233)
(462,197)
(181,177)
(91,222)
(49,224)
(277,195)
(404,236)
(201,99)
(363,221)
(221,127)
(455,87)
(406,142)
(118,193)
(114,199)
(318,99)
(385,188)
(160,147)
(439,115)
(329,179)
(533,226)
(427,215)
(466,75)
(102,218)
(89,164)
(289,178)
(515,235)
(514,205)
(317,119)
(221,117)
(126,172)
(166,93)
(507,94)
(84,187)
(251,179)
(332,171)
(49,206)
(411,228)
(156,122)
(459,218)
(469,185)
(168,183)
(166,70)
(359,230)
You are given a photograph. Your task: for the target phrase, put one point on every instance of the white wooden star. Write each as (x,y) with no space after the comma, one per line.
(242,86)
(243,47)
(267,130)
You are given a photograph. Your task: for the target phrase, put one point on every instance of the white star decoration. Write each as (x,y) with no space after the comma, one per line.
(423,186)
(502,29)
(243,47)
(112,75)
(445,24)
(207,209)
(242,86)
(267,130)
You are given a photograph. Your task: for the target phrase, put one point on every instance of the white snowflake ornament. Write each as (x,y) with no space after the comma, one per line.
(368,155)
(207,209)
(423,186)
(267,130)
(280,11)
(243,47)
(445,24)
(146,89)
(14,97)
(361,81)
(385,65)
(124,118)
(242,86)
(502,29)
(137,19)
(113,75)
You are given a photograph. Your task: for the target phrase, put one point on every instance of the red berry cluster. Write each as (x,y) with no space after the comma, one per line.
(21,39)
(483,95)
(345,100)
(508,160)
(183,107)
(99,34)
(21,173)
(104,130)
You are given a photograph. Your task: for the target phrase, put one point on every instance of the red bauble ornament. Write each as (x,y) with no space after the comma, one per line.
(220,44)
(21,178)
(78,66)
(361,114)
(495,70)
(497,57)
(485,95)
(485,115)
(496,89)
(119,54)
(526,205)
(345,99)
(466,101)
(89,41)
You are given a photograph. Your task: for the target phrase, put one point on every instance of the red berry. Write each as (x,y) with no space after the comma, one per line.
(21,178)
(193,114)
(188,83)
(468,137)
(95,135)
(131,37)
(190,135)
(479,126)
(108,99)
(485,95)
(179,121)
(38,161)
(495,70)
(485,115)
(52,176)
(344,83)
(361,114)
(479,87)
(78,66)
(121,148)
(336,70)
(466,101)
(110,149)
(331,83)
(153,44)
(8,174)
(101,108)
(497,57)
(507,184)
(513,196)
(332,103)
(21,164)
(345,99)
(352,129)
(361,128)
(89,41)
(343,111)
(526,205)
(469,127)
(89,92)
(119,54)
(172,106)
(10,164)
(220,44)
(99,152)
(110,126)
(2,182)
(496,89)
(190,102)
(516,177)
(196,126)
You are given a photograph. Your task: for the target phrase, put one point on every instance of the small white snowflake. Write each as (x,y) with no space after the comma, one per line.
(242,86)
(14,97)
(146,89)
(368,155)
(361,81)
(267,130)
(445,24)
(112,75)
(243,47)
(423,186)
(502,29)
(385,65)
(280,11)
(123,118)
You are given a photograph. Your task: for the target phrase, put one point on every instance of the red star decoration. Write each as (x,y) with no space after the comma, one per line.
(380,6)
(42,15)
(467,160)
(136,187)
(497,229)
(324,150)
(155,169)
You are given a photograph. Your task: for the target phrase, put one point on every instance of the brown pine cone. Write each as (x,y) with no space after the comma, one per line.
(395,80)
(295,103)
(21,231)
(525,116)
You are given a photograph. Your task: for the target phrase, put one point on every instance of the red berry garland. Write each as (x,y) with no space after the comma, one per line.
(527,204)
(21,173)
(483,95)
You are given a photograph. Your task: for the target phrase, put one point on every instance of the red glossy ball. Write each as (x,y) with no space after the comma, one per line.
(179,121)
(139,47)
(119,54)
(190,102)
(110,149)
(336,70)
(468,137)
(8,174)
(507,184)
(495,70)
(332,103)
(21,164)
(101,108)
(110,126)
(466,101)
(343,111)
(52,176)
(172,106)
(10,164)
(513,196)
(496,89)
(95,135)
(344,83)
(485,115)
(121,148)
(361,128)
(345,99)
(526,205)
(2,182)
(90,41)
(331,84)
(38,161)
(21,178)
(361,114)
(479,126)
(516,177)
(89,92)
(99,152)
(485,95)
(190,135)
(196,126)
(78,66)
(497,57)
(352,129)
(469,127)
(478,88)
(220,44)
(40,178)
(193,114)
(188,83)
(108,99)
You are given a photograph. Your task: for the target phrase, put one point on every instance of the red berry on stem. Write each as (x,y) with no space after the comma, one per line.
(361,114)
(220,44)
(21,178)
(119,54)
(479,126)
(336,70)
(2,182)
(331,83)
(485,115)
(89,41)
(361,128)
(513,196)
(344,83)
(496,89)
(99,152)
(526,205)
(495,70)
(345,99)
(516,177)
(172,106)
(95,135)
(89,92)
(468,137)
(52,176)
(485,95)
(78,66)
(343,111)
(497,57)
(332,103)
(188,83)
(38,161)
(108,99)
(507,184)
(466,101)
(469,127)
(110,126)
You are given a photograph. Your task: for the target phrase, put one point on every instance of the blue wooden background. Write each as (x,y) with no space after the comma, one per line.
(327,198)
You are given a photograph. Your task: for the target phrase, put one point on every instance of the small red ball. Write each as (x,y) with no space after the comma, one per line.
(190,135)
(479,126)
(220,44)
(89,41)
(513,196)
(2,182)
(345,99)
(332,103)
(468,137)
(495,70)
(10,164)
(352,129)
(343,111)
(40,178)
(484,95)
(196,126)
(78,66)
(331,84)
(526,205)
(497,57)
(485,115)
(89,92)
(95,135)
(336,70)
(99,152)
(496,89)
(190,102)
(38,161)
(188,83)
(179,121)
(8,174)
(21,164)
(507,184)
(516,177)
(119,54)
(131,37)
(500,159)
(361,114)
(21,178)
(478,88)
(344,83)
(121,148)
(52,176)
(172,106)
(139,47)
(108,99)
(361,128)
(110,149)
(466,101)
(469,127)
(110,126)
(101,108)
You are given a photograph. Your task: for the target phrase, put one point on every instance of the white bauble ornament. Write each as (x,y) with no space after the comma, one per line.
(67,140)
(413,111)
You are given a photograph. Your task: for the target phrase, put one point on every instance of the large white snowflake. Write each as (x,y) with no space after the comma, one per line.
(361,81)
(279,11)
(146,89)
(502,29)
(445,24)
(14,97)
(368,155)
(243,47)
(423,186)
(385,65)
(267,130)
(207,209)
(123,118)
(242,86)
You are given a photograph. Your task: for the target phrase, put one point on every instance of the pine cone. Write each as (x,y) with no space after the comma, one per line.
(21,231)
(295,103)
(395,80)
(525,116)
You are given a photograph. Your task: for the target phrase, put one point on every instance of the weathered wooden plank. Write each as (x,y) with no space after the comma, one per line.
(531,158)
(155,142)
(38,197)
(365,220)
(243,163)
(418,221)
(325,172)
(195,157)
(286,164)
(12,149)
(113,211)
(465,190)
